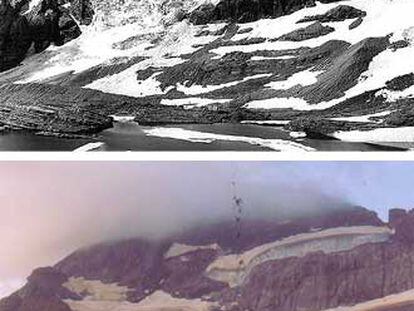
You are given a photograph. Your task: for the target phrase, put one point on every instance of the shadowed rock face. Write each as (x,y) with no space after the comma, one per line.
(46,23)
(319,281)
(244,11)
(43,291)
(312,31)
(340,13)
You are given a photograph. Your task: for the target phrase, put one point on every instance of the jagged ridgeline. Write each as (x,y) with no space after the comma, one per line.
(311,69)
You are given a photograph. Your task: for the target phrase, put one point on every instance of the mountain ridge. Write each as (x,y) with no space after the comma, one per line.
(373,263)
(316,67)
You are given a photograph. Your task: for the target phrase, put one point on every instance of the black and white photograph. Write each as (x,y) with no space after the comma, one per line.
(206,75)
(206,155)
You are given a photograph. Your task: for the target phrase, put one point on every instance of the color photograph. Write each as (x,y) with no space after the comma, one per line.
(204,236)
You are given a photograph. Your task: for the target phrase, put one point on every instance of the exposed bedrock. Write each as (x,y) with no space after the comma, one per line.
(24,31)
(401,83)
(243,11)
(142,266)
(321,124)
(320,281)
(343,71)
(57,110)
(303,280)
(340,13)
(52,109)
(341,65)
(234,269)
(312,31)
(44,291)
(134,263)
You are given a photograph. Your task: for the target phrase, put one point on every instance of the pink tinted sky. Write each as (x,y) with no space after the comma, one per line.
(48,209)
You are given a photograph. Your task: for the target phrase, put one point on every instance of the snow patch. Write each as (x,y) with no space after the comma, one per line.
(191,102)
(178,249)
(279,103)
(157,301)
(363,118)
(399,134)
(200,89)
(266,122)
(392,96)
(203,137)
(32,4)
(96,290)
(303,78)
(90,147)
(271,58)
(160,300)
(122,119)
(297,134)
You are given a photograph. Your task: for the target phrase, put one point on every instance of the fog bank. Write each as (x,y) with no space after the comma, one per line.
(49,209)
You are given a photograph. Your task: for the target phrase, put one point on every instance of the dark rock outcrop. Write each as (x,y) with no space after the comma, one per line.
(82,10)
(257,232)
(344,71)
(44,291)
(184,275)
(51,109)
(244,11)
(404,225)
(356,23)
(340,13)
(133,263)
(312,31)
(316,281)
(320,281)
(401,83)
(48,22)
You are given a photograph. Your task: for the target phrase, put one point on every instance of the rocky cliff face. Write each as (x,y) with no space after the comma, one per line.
(376,273)
(29,26)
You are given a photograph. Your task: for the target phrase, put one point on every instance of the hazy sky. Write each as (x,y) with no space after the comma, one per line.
(48,209)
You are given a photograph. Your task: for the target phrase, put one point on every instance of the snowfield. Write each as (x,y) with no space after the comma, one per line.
(97,45)
(400,134)
(203,137)
(239,72)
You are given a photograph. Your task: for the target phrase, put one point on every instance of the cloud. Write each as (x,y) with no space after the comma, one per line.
(49,209)
(8,286)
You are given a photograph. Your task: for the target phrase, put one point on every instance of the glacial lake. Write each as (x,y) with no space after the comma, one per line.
(129,136)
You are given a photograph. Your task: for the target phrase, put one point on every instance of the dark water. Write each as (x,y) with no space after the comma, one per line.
(130,136)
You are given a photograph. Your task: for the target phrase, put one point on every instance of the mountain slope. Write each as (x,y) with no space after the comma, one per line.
(334,68)
(344,259)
